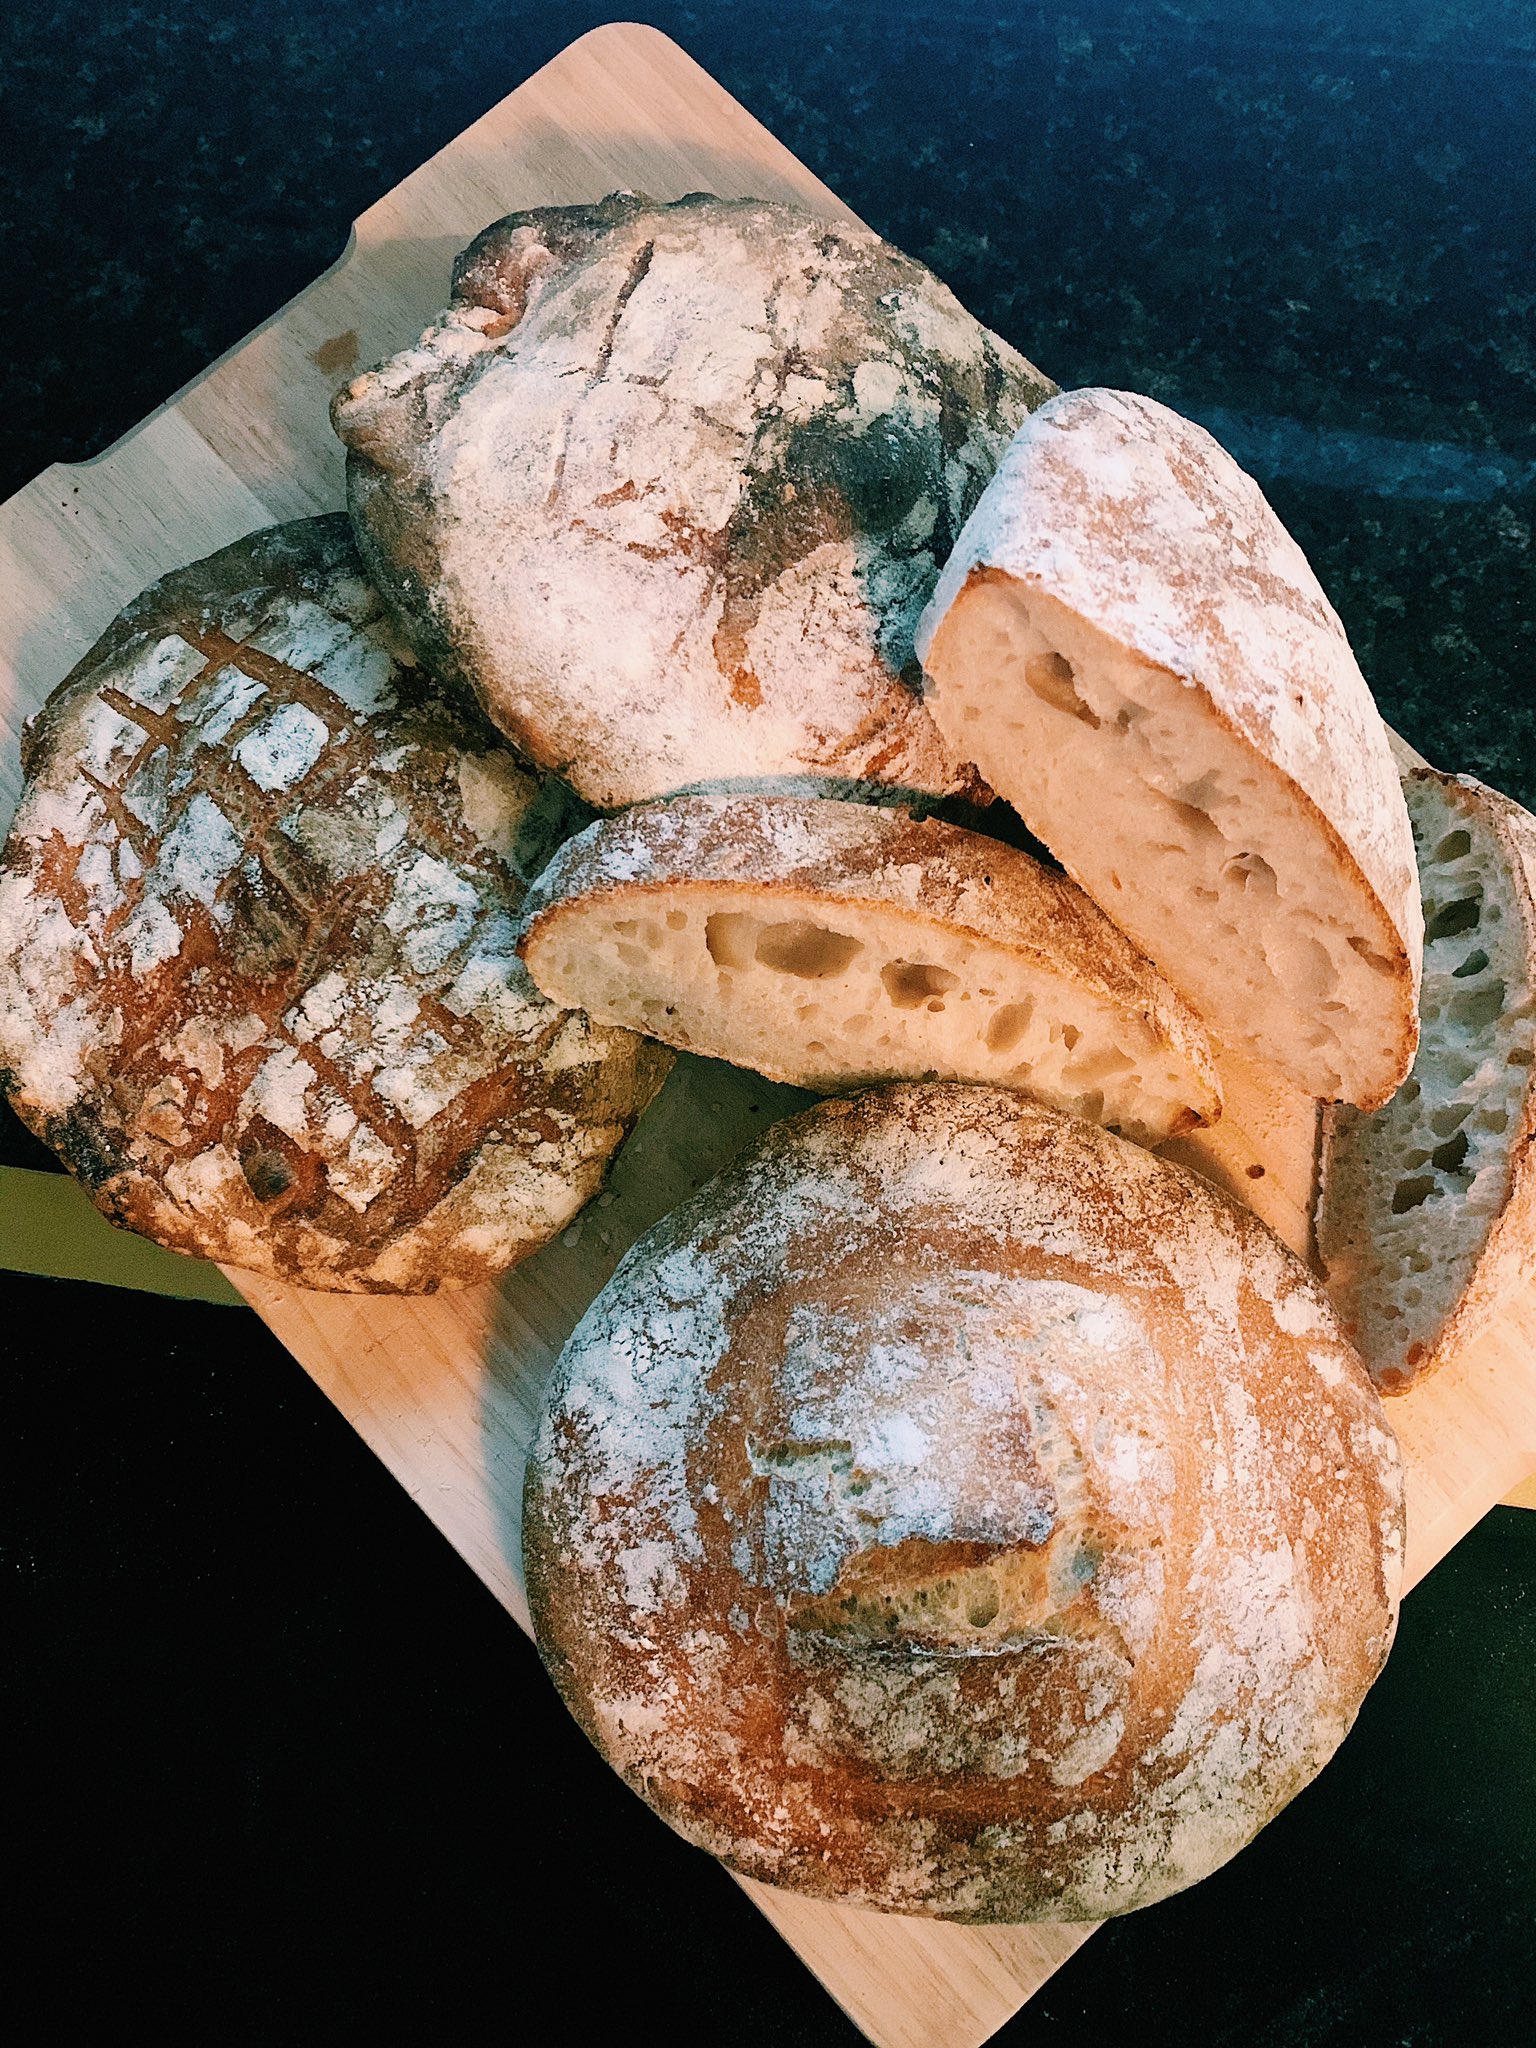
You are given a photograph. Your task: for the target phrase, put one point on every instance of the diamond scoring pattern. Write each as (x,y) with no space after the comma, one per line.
(274,886)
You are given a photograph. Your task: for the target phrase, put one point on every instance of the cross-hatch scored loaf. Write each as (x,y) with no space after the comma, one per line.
(830,944)
(259,984)
(1427,1209)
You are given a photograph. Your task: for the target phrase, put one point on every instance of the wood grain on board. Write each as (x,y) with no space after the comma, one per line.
(445,1389)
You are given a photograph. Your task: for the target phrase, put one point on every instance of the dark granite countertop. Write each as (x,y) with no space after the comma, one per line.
(285,1765)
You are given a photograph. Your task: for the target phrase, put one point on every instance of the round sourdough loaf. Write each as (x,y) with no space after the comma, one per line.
(1137,655)
(258,982)
(834,944)
(956,1509)
(670,485)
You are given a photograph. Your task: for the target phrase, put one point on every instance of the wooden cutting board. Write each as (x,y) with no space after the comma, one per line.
(445,1390)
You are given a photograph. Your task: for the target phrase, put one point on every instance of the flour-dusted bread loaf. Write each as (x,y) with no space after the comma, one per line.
(1426,1215)
(1135,652)
(258,978)
(956,1509)
(670,485)
(831,944)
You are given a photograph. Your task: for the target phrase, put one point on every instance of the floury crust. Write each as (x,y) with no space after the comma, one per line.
(720,442)
(956,1510)
(258,983)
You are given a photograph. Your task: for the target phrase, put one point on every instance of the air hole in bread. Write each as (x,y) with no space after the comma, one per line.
(984,1604)
(1450,1156)
(910,983)
(731,937)
(1474,1008)
(1050,677)
(677,920)
(1445,1122)
(1197,823)
(1249,872)
(1453,918)
(1474,963)
(267,1175)
(1112,1063)
(809,951)
(1410,1194)
(1454,846)
(1365,951)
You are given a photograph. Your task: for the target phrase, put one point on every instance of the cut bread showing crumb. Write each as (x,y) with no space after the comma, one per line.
(831,944)
(1427,1209)
(1135,653)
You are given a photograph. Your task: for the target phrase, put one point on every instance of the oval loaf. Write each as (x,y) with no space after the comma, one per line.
(1137,655)
(670,485)
(958,1510)
(833,944)
(258,979)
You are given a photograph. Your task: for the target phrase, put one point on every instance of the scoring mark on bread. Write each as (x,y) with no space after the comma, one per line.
(221,815)
(952,1598)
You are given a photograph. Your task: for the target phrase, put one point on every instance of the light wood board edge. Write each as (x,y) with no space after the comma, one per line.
(445,1390)
(49,1227)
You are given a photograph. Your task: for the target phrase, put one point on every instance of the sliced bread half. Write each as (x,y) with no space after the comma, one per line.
(832,944)
(1427,1210)
(1133,650)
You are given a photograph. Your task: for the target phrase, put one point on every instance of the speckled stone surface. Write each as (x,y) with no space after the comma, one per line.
(1259,212)
(1313,229)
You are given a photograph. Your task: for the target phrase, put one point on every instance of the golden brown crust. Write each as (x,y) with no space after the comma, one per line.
(954,1509)
(259,986)
(670,484)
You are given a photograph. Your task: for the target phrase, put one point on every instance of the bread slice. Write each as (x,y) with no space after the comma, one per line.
(1427,1210)
(1136,654)
(830,944)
